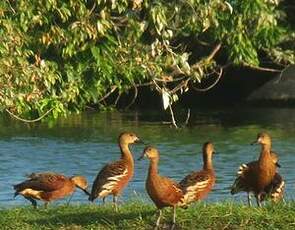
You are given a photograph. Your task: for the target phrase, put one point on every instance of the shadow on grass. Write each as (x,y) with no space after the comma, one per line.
(98,216)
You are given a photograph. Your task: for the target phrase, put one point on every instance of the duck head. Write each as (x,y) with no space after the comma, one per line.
(127,138)
(150,152)
(262,139)
(81,183)
(208,149)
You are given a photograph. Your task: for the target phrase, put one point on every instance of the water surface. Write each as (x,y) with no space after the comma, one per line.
(83,143)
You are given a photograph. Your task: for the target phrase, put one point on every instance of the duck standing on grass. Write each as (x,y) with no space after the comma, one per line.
(114,177)
(197,185)
(261,176)
(163,191)
(49,186)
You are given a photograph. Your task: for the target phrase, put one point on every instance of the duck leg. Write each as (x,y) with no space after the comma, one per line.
(159,219)
(34,203)
(258,199)
(115,203)
(174,218)
(104,200)
(249,199)
(45,205)
(68,203)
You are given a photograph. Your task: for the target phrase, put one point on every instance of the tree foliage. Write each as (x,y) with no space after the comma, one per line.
(64,55)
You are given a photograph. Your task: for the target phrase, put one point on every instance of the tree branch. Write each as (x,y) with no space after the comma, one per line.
(134,97)
(28,121)
(172,116)
(210,57)
(212,85)
(262,68)
(108,94)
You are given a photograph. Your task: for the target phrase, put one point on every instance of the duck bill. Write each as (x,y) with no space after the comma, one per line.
(254,143)
(258,141)
(142,156)
(84,190)
(138,141)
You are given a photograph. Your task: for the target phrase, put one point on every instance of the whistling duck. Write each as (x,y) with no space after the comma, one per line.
(197,185)
(49,186)
(275,190)
(260,177)
(113,177)
(163,191)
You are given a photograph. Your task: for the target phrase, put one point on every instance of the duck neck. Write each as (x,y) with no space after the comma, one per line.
(126,154)
(265,153)
(207,160)
(153,169)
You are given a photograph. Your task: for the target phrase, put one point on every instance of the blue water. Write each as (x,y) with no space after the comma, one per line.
(82,144)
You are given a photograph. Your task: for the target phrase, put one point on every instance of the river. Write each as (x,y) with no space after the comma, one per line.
(83,143)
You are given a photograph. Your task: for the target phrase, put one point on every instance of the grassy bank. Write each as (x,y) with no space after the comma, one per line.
(138,215)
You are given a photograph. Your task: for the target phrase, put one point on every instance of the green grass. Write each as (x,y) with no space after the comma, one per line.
(139,215)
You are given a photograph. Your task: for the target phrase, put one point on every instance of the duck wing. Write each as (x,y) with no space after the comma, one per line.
(275,190)
(46,182)
(241,182)
(164,191)
(107,179)
(194,184)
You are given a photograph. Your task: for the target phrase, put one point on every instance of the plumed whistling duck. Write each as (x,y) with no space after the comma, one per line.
(49,186)
(260,177)
(197,185)
(275,190)
(163,191)
(113,177)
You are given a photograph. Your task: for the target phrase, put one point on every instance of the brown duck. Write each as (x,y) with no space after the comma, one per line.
(114,177)
(163,191)
(260,177)
(49,186)
(197,185)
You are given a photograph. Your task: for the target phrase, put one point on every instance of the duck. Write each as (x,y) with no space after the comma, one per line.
(274,191)
(197,185)
(114,177)
(260,177)
(49,186)
(163,191)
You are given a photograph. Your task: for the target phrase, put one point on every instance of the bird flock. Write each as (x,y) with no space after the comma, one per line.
(259,178)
